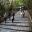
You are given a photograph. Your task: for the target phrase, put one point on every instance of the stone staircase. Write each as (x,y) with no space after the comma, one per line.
(19,25)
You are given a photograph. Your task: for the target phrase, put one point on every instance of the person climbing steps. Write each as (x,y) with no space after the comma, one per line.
(13,17)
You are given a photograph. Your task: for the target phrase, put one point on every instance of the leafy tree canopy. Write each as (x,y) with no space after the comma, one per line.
(19,2)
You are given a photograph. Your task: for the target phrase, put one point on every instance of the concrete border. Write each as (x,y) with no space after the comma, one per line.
(30,20)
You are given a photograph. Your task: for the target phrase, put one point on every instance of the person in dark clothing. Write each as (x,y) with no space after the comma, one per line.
(5,19)
(12,20)
(9,15)
(23,14)
(0,19)
(13,17)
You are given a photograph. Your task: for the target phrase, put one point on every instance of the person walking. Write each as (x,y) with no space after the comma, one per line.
(13,17)
(5,19)
(23,14)
(9,15)
(0,19)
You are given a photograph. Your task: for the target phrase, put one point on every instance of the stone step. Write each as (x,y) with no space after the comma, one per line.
(24,24)
(15,23)
(19,16)
(3,25)
(16,28)
(7,30)
(19,24)
(18,21)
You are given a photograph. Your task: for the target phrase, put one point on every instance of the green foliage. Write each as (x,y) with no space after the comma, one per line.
(2,9)
(28,3)
(19,2)
(12,6)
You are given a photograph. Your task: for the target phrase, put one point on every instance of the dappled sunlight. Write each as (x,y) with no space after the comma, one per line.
(15,15)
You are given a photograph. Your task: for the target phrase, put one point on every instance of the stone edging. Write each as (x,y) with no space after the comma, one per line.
(30,22)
